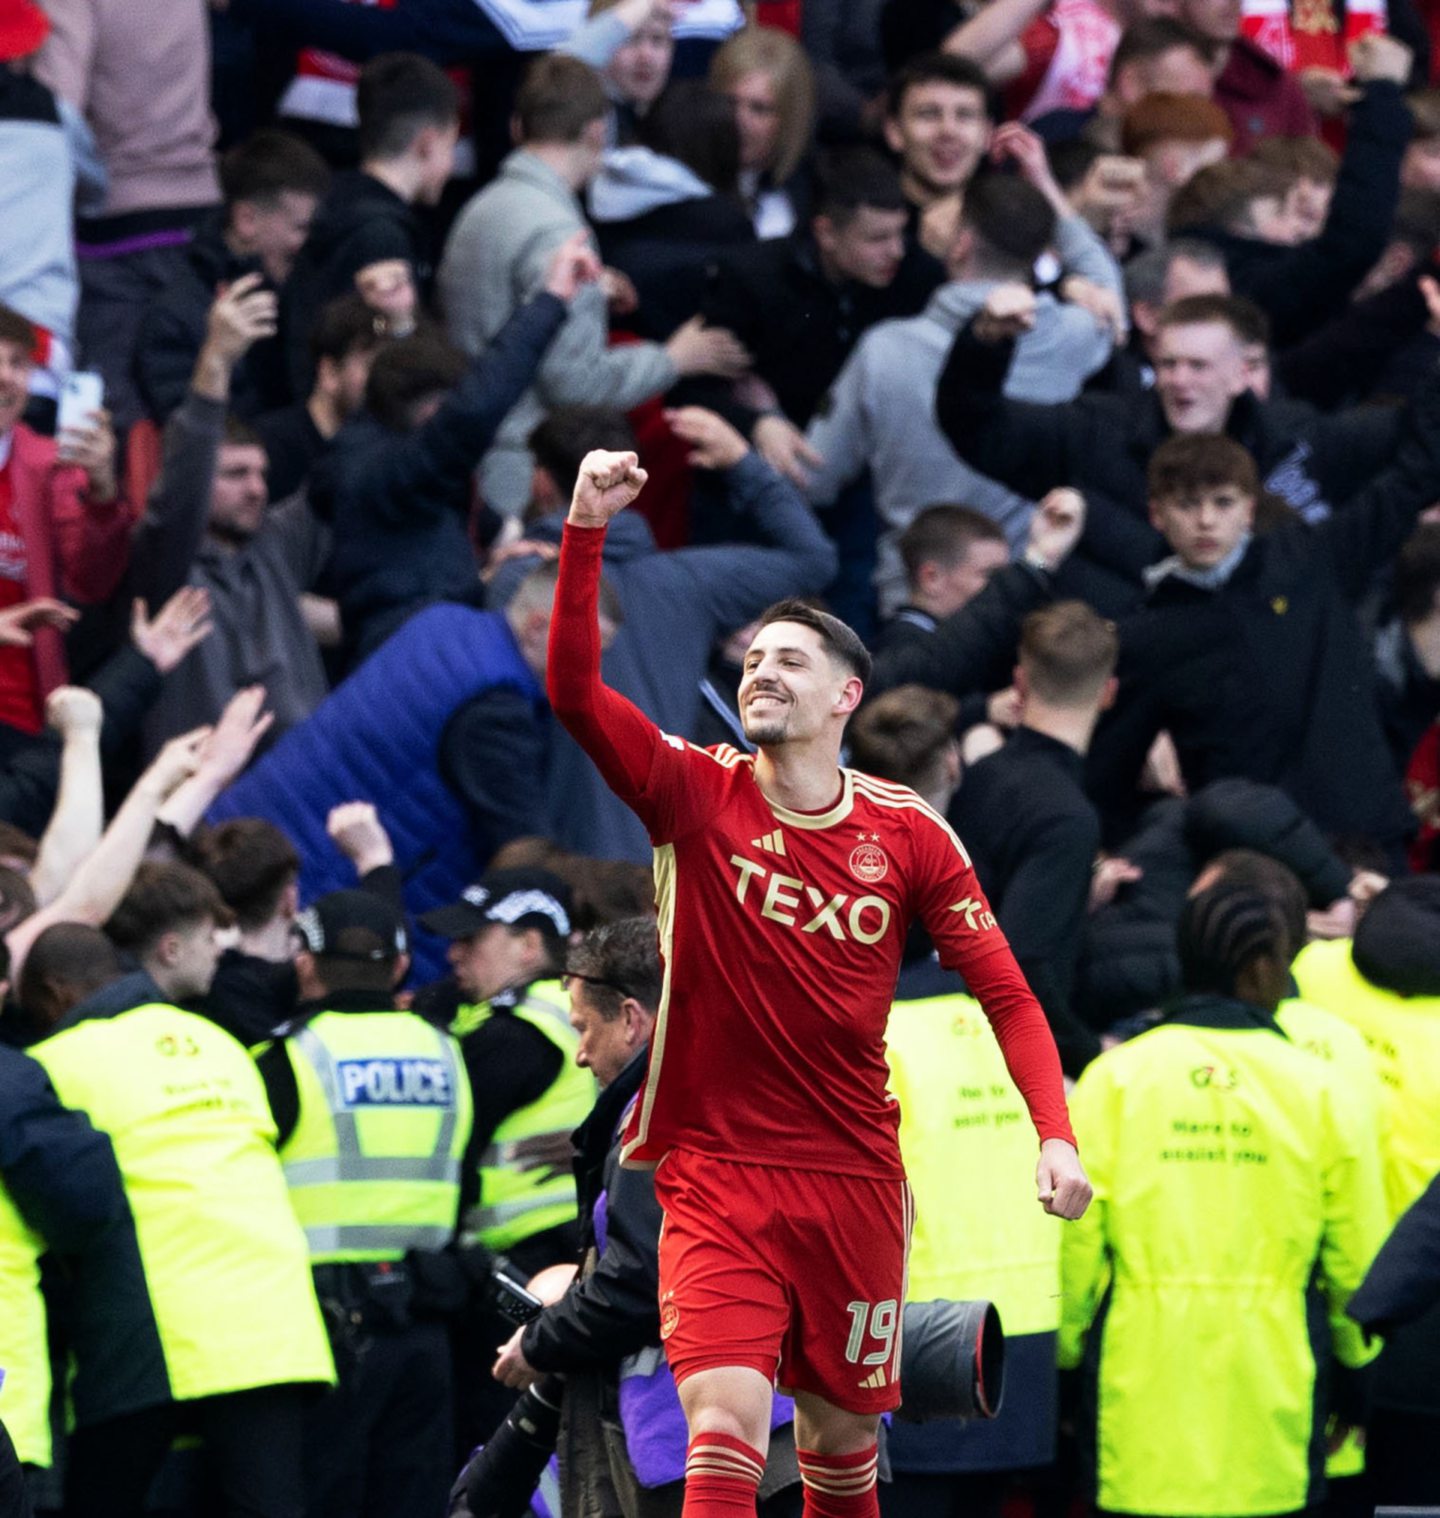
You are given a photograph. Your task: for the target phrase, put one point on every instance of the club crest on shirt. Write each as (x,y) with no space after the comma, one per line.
(868,861)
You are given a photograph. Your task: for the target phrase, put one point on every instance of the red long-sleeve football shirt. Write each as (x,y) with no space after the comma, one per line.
(782,934)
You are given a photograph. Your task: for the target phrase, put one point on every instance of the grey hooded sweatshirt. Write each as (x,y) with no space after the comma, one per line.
(880,412)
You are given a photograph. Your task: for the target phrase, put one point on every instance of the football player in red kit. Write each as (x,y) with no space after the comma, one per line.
(785,887)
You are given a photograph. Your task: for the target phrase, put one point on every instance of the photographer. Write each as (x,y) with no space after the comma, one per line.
(622,1435)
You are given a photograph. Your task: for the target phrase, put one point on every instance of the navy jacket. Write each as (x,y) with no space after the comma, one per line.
(401,502)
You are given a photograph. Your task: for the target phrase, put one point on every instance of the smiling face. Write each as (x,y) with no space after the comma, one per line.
(791,687)
(1204,526)
(940,131)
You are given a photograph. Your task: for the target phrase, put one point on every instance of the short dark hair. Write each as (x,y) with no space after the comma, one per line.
(539,585)
(73,954)
(1297,158)
(1192,461)
(238,433)
(1243,317)
(841,641)
(345,326)
(939,68)
(625,955)
(250,862)
(16,843)
(851,178)
(1276,882)
(162,897)
(267,165)
(1417,574)
(561,441)
(17,899)
(397,97)
(1224,195)
(1068,652)
(1146,273)
(1221,931)
(1153,37)
(560,97)
(696,125)
(1011,218)
(899,736)
(944,535)
(408,371)
(14,328)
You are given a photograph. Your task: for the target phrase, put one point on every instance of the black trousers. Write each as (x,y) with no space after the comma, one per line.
(14,1499)
(1402,1459)
(966,1494)
(252,1442)
(379,1445)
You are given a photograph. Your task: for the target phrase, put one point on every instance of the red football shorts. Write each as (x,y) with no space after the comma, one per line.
(798,1274)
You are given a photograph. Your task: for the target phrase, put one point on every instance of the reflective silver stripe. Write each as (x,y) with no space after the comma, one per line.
(337,1238)
(479,1218)
(384,1167)
(350,1163)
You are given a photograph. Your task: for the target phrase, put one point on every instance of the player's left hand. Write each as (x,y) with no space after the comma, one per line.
(511,1367)
(1061,1181)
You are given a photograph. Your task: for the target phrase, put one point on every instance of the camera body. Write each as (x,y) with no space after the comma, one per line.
(952,1365)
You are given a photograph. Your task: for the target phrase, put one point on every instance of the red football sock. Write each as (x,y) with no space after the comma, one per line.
(722,1475)
(840,1486)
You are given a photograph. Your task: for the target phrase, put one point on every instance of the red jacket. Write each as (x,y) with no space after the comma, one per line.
(75,548)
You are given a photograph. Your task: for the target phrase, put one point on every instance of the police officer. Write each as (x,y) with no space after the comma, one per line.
(507,941)
(505,1004)
(1231,1219)
(205,1319)
(374,1114)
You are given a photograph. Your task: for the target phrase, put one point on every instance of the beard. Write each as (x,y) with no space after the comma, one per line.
(768,729)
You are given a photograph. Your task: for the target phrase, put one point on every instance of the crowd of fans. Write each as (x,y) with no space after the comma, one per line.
(1083,355)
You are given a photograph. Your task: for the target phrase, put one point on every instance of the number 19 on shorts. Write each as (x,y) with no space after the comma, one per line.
(872,1322)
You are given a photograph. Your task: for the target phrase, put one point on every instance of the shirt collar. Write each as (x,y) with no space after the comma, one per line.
(1174,568)
(6,439)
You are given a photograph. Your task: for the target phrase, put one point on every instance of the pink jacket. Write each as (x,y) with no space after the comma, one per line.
(75,548)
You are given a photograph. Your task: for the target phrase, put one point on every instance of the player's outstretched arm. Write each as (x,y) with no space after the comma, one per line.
(644,767)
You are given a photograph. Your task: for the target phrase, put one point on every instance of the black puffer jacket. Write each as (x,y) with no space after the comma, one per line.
(614,1311)
(400,502)
(360,222)
(1300,287)
(173,332)
(1128,963)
